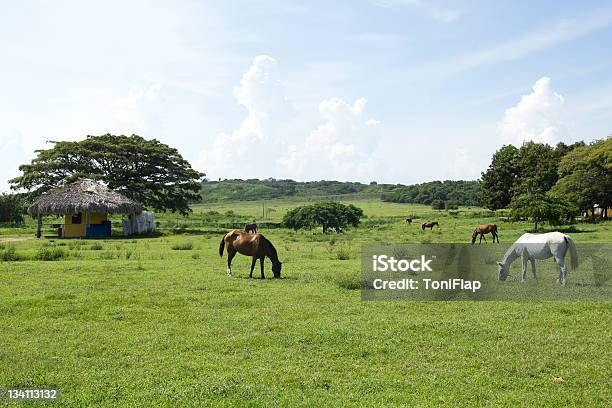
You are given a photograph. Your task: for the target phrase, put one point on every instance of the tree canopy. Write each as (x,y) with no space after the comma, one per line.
(328,215)
(455,192)
(550,184)
(586,176)
(541,207)
(530,169)
(148,171)
(498,180)
(12,209)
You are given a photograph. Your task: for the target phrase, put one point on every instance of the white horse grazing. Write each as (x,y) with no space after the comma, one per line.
(530,247)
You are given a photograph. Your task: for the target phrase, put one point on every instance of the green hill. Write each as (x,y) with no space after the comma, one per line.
(459,192)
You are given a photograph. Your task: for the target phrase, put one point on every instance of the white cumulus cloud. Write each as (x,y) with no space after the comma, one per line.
(277,140)
(263,95)
(340,147)
(537,117)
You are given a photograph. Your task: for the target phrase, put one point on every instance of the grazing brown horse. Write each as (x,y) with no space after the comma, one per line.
(254,245)
(429,224)
(485,229)
(251,228)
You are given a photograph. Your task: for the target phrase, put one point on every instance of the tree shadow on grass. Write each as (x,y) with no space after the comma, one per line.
(181,231)
(566,230)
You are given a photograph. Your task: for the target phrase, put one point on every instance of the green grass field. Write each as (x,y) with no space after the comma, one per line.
(134,322)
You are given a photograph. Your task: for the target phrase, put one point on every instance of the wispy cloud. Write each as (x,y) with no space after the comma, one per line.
(516,48)
(436,11)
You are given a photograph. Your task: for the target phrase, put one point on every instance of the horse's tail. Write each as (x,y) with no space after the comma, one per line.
(222,246)
(573,252)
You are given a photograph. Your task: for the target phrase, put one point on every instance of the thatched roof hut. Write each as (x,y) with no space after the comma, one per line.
(83,196)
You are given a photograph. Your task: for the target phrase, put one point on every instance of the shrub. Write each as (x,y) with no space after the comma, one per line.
(343,254)
(9,254)
(75,245)
(438,204)
(107,255)
(50,253)
(451,205)
(329,215)
(195,256)
(183,246)
(97,246)
(348,280)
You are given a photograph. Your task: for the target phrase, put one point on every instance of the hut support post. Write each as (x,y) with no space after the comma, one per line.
(132,223)
(87,221)
(39,226)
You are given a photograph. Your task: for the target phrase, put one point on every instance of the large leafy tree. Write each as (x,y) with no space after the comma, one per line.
(150,172)
(540,207)
(536,165)
(12,209)
(530,169)
(499,179)
(586,176)
(328,215)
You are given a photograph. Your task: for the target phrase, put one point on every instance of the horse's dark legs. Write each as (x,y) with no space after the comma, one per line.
(252,267)
(261,263)
(483,236)
(230,256)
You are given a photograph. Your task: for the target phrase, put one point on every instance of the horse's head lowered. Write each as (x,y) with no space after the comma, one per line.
(276,269)
(474,235)
(503,271)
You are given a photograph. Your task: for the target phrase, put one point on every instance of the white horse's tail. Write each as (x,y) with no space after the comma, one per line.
(573,253)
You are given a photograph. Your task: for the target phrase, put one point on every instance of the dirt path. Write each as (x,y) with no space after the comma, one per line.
(14,239)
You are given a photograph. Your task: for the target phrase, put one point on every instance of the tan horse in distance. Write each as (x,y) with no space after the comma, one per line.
(429,224)
(485,229)
(254,245)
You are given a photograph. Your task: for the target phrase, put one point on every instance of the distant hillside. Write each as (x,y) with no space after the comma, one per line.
(459,192)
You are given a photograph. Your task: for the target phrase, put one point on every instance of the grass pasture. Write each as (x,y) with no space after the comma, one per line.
(155,321)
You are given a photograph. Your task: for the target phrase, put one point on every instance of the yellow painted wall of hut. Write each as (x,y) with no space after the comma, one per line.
(75,225)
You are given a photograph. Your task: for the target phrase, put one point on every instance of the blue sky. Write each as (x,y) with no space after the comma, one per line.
(398,91)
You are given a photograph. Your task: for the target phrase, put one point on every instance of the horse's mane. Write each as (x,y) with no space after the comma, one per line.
(272,249)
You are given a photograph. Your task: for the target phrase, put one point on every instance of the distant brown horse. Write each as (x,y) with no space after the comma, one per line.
(485,229)
(429,224)
(252,228)
(254,245)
